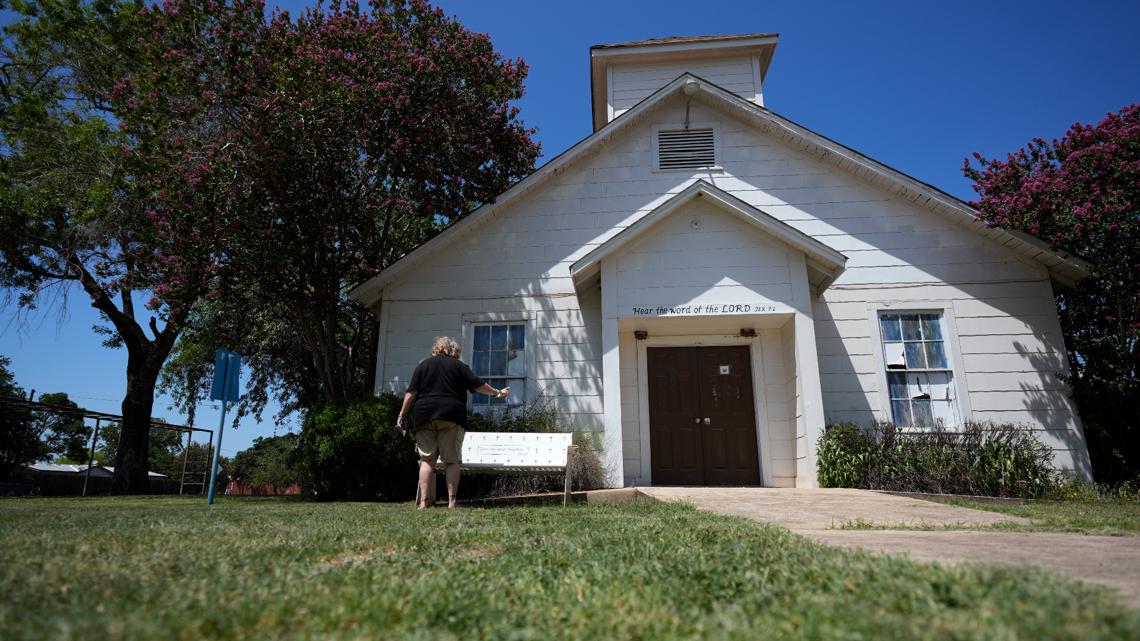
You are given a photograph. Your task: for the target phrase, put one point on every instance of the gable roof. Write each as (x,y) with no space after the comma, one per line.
(824,263)
(1063,268)
(686,40)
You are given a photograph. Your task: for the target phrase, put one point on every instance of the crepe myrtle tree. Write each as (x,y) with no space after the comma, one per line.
(352,134)
(89,199)
(1081,194)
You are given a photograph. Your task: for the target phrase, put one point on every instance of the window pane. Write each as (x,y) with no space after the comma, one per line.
(518,393)
(890,328)
(518,337)
(939,387)
(943,413)
(919,385)
(893,353)
(479,361)
(901,412)
(923,417)
(931,327)
(935,355)
(498,364)
(499,337)
(915,356)
(482,338)
(897,384)
(480,399)
(910,327)
(497,383)
(516,363)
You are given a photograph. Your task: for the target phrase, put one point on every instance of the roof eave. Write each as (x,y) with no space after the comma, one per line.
(1064,268)
(369,291)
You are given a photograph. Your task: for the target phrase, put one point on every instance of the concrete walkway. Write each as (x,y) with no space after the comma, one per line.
(1108,560)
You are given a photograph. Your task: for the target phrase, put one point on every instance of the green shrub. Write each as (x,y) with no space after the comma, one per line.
(350,452)
(978,459)
(525,418)
(844,456)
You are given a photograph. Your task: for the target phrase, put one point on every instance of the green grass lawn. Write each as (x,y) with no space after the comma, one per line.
(1110,517)
(1098,516)
(169,568)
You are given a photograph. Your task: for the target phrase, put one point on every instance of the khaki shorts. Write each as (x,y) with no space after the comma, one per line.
(440,438)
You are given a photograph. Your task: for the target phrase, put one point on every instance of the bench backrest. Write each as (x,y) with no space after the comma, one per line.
(512,450)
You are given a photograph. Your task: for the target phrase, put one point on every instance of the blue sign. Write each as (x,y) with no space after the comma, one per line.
(227,364)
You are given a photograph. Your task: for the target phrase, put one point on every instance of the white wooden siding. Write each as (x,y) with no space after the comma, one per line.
(725,260)
(632,83)
(898,252)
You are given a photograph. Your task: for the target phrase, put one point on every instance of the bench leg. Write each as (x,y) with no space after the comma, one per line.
(568,482)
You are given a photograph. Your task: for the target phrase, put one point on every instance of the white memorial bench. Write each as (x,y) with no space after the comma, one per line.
(516,453)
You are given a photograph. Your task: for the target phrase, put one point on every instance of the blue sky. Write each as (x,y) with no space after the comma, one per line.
(916,85)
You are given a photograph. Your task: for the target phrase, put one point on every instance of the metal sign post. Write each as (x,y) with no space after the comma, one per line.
(91,459)
(227,364)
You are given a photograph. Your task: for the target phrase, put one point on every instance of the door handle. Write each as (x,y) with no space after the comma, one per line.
(707,421)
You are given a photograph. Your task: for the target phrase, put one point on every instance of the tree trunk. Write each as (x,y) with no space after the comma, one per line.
(373,321)
(132,464)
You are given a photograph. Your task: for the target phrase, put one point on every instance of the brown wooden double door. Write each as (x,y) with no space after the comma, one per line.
(702,421)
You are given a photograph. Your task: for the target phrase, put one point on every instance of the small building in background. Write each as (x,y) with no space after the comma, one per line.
(66,479)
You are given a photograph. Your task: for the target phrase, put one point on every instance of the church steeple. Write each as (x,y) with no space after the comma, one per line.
(623,74)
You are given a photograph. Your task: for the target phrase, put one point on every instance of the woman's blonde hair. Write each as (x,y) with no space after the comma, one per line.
(446,346)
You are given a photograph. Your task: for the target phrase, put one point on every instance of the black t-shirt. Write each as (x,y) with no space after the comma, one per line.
(441,384)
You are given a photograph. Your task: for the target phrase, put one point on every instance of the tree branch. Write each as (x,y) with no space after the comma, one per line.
(128,329)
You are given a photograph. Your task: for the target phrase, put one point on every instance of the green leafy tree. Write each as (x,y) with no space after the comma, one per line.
(270,461)
(19,444)
(1081,194)
(29,435)
(61,434)
(86,201)
(352,134)
(349,451)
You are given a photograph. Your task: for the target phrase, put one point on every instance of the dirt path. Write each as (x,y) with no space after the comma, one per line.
(1108,560)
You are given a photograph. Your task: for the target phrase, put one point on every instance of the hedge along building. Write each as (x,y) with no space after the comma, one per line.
(710,284)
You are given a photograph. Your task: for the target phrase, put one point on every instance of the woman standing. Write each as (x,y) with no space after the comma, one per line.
(439,389)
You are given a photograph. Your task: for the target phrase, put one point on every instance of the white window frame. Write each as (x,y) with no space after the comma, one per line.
(960,401)
(467,332)
(718,158)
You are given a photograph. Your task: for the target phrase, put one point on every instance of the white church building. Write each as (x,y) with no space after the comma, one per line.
(710,284)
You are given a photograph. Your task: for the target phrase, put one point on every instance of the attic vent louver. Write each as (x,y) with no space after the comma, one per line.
(686,148)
